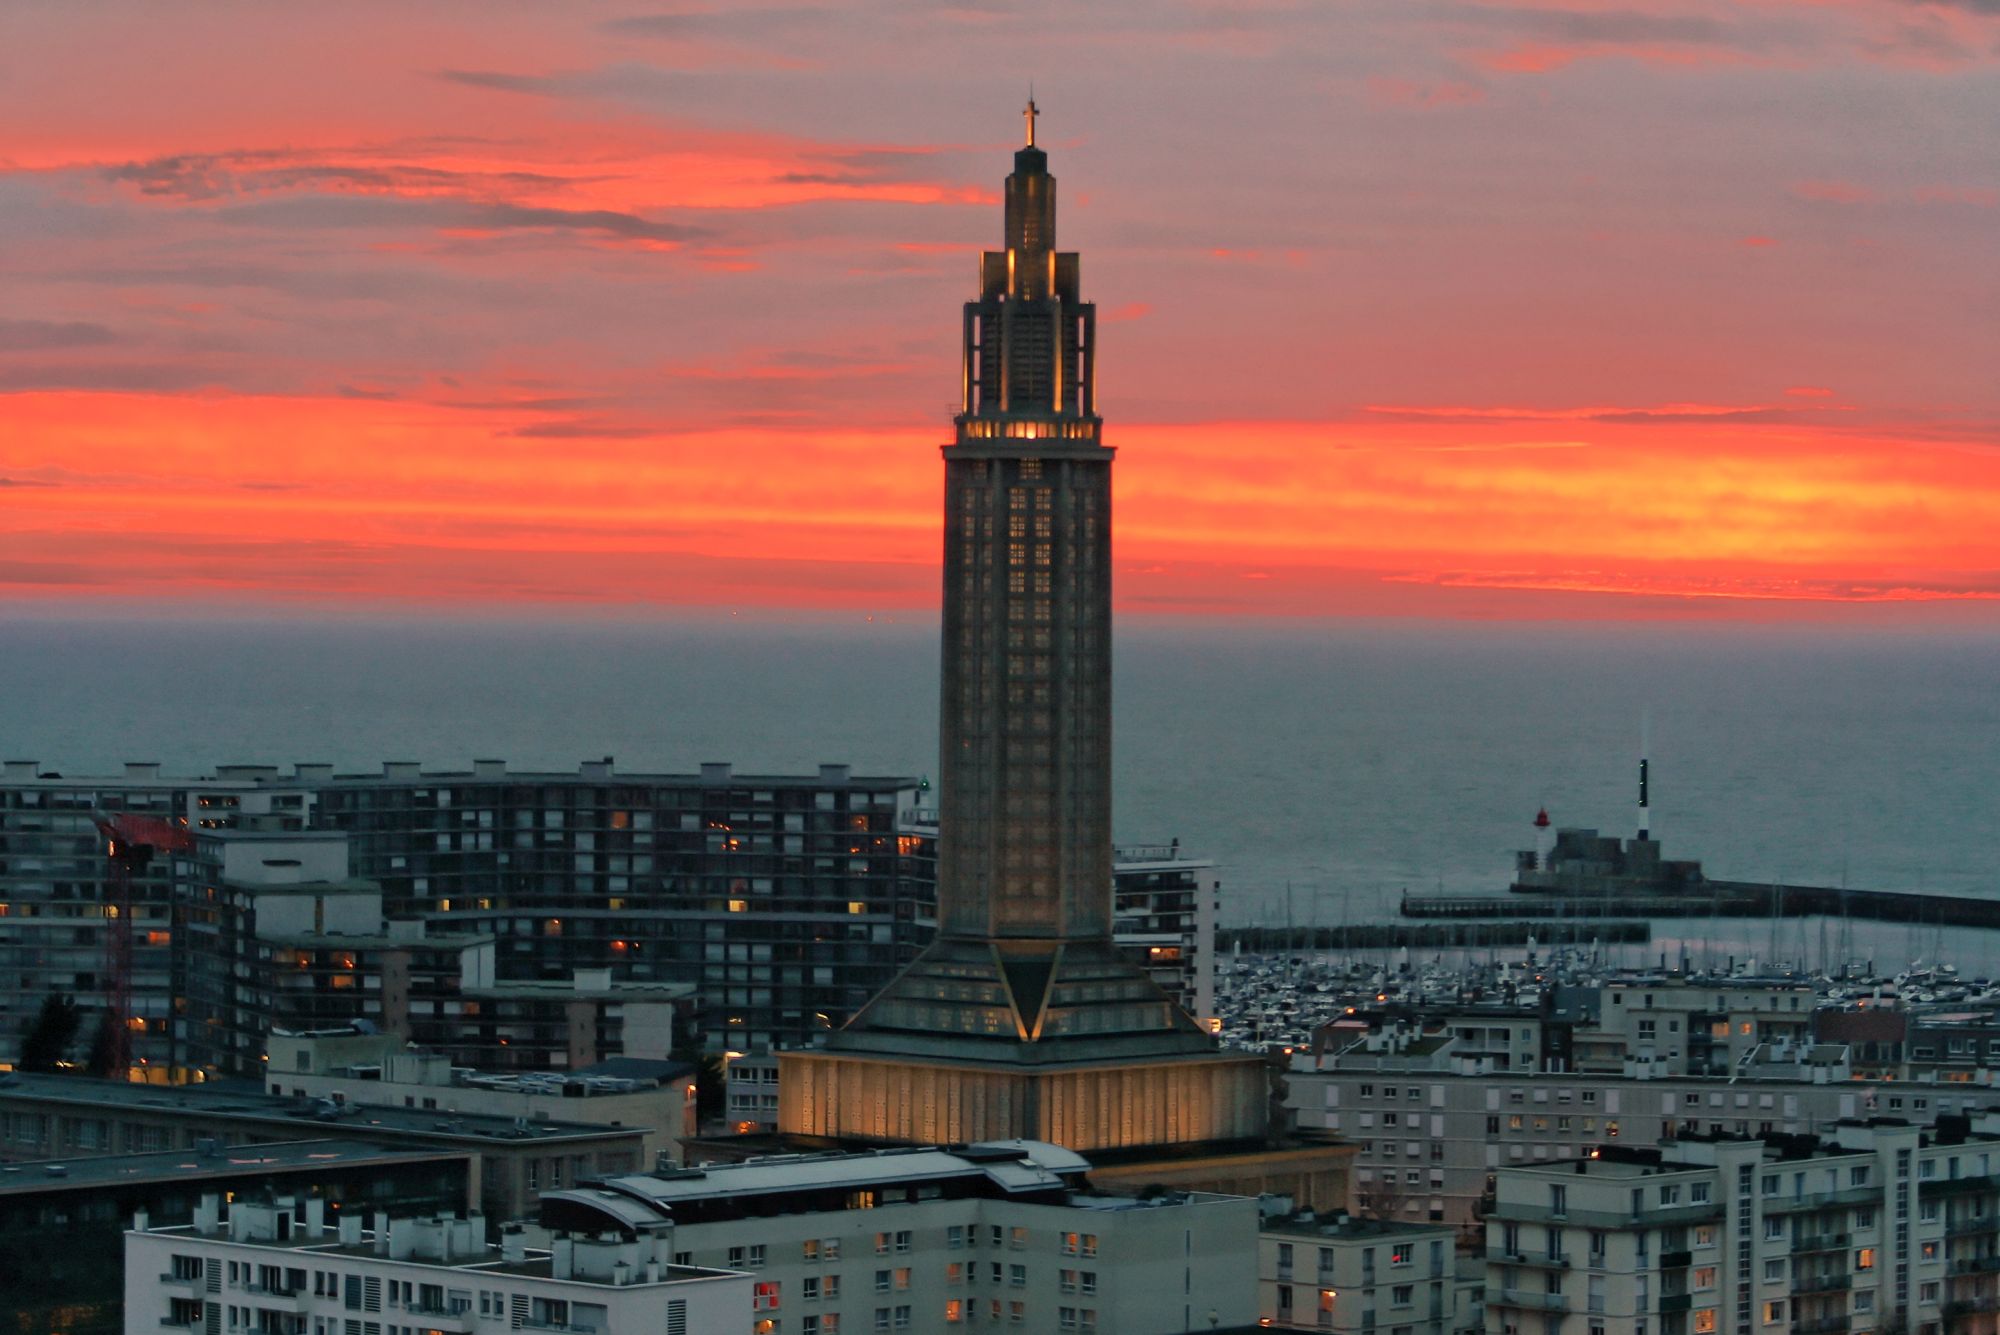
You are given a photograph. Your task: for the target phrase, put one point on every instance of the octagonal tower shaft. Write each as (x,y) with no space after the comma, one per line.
(1025,781)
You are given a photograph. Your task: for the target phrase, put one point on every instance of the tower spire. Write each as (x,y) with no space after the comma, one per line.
(1029,115)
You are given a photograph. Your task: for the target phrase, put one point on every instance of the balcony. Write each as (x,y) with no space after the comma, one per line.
(1820,1325)
(1676,1260)
(1973,1265)
(1968,1306)
(564,1327)
(1825,1242)
(1541,1260)
(193,1281)
(1958,1186)
(1675,1302)
(1822,1200)
(439,1314)
(1823,1283)
(1962,1228)
(1538,1302)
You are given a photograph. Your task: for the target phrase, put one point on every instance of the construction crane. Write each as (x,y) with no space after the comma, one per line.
(130,840)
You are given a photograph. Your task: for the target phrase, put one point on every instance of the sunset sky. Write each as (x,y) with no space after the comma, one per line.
(1680,308)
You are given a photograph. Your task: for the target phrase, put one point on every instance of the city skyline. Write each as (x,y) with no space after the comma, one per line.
(1667,310)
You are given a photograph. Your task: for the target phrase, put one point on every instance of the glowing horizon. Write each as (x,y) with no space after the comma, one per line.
(1497,311)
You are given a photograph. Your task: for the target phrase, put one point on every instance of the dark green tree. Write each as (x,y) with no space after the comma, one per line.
(47,1041)
(104,1046)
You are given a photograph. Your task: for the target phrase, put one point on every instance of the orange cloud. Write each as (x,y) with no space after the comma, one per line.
(373,498)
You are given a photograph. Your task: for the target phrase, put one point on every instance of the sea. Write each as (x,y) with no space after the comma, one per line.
(1327,766)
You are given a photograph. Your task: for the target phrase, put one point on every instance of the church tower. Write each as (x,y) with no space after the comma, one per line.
(1021,1019)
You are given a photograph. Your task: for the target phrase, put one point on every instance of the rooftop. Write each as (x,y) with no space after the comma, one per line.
(230,1102)
(1013,1165)
(192,1165)
(1306,1223)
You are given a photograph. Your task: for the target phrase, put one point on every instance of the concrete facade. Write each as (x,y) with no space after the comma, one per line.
(284,1268)
(1429,1141)
(1876,1227)
(988,1237)
(1341,1273)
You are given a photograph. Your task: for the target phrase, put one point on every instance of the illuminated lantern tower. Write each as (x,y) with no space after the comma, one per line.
(1021,1019)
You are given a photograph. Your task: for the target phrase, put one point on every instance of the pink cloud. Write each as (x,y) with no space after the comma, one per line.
(1831,192)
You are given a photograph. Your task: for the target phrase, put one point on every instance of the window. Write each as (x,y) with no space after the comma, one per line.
(1402,1295)
(1558,1200)
(1864,1259)
(1774,1269)
(1698,1193)
(764,1297)
(1704,1321)
(1704,1277)
(954,1310)
(1864,1300)
(1927,1292)
(1017,1276)
(1774,1311)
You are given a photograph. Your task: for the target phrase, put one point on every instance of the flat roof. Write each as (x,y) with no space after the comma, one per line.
(31,1178)
(1307,1223)
(236,1101)
(559,988)
(1013,1165)
(538,1264)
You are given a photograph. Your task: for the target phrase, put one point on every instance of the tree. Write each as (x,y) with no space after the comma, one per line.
(104,1048)
(47,1040)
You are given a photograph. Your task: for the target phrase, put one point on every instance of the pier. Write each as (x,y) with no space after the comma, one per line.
(1473,935)
(1720,899)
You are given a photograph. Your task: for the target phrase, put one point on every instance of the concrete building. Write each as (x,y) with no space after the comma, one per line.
(62,1223)
(1000,1236)
(1022,1019)
(1429,1135)
(284,1267)
(75,1117)
(379,1070)
(55,885)
(1875,1226)
(275,935)
(1343,1273)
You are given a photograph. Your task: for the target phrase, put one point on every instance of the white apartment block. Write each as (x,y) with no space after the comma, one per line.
(1363,1277)
(282,1269)
(1004,1237)
(1430,1140)
(1876,1227)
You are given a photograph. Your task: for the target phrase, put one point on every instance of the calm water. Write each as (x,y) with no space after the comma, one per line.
(1345,760)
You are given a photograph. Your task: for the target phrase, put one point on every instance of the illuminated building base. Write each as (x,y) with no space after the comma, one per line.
(1084,1106)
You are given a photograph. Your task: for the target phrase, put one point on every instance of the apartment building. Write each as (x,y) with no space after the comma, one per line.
(276,935)
(56,885)
(1005,1236)
(1875,1226)
(783,902)
(62,1222)
(282,1267)
(1357,1276)
(1430,1136)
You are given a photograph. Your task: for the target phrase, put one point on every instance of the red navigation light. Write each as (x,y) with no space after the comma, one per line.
(1542,819)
